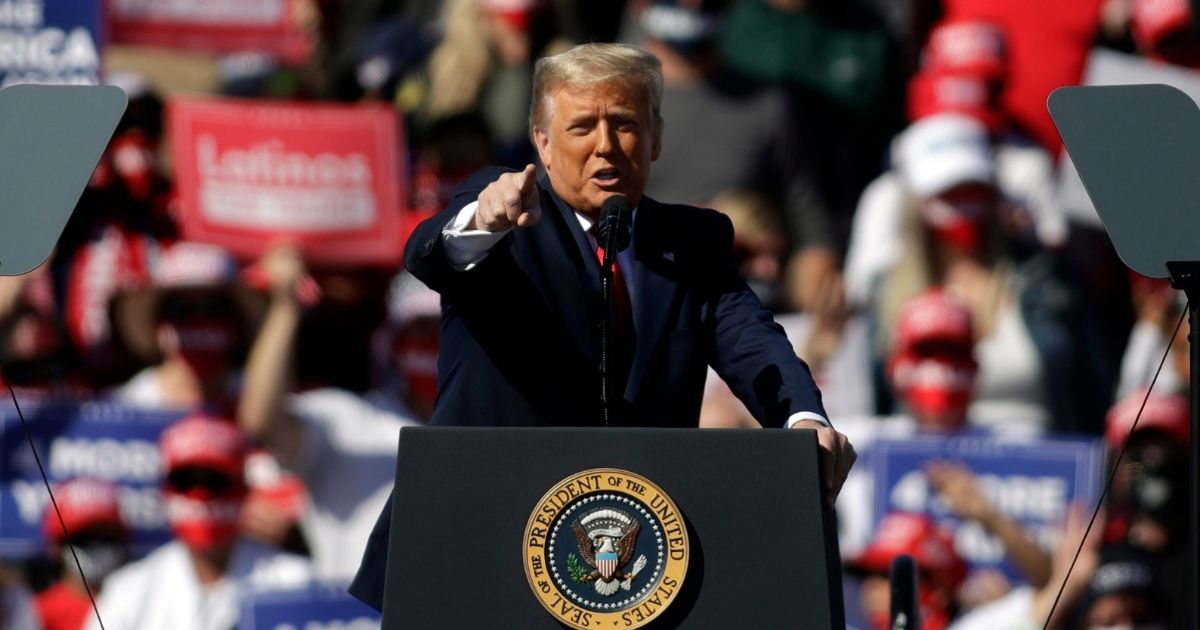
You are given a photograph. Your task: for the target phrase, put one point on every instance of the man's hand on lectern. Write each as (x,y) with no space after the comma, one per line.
(511,200)
(837,456)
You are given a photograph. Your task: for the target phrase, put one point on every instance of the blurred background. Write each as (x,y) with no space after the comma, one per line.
(216,359)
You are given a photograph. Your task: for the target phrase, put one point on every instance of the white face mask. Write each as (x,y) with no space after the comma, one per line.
(97,561)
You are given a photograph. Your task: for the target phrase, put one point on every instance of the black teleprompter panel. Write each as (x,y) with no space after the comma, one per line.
(763,545)
(1137,152)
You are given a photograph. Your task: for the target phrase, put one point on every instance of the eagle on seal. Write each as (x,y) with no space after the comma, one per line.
(606,547)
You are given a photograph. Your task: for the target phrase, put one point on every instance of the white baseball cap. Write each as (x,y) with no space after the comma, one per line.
(939,152)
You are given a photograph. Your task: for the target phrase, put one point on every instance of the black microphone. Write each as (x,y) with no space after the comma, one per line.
(612,230)
(904,614)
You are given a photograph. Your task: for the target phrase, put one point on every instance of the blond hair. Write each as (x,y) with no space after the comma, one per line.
(918,270)
(750,211)
(595,64)
(459,66)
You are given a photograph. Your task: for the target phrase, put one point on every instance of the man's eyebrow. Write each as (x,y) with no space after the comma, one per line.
(579,117)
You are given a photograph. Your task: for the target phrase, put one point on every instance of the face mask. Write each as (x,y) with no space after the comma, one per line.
(959,225)
(133,161)
(32,357)
(936,387)
(97,560)
(416,359)
(201,519)
(205,346)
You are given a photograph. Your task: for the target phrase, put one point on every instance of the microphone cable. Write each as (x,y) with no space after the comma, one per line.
(53,502)
(1117,462)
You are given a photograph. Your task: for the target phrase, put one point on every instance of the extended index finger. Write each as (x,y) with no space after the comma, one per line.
(531,211)
(526,181)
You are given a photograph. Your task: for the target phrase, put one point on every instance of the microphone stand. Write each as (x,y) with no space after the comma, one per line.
(612,234)
(608,326)
(904,613)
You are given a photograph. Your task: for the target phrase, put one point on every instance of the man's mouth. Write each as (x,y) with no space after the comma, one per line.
(606,177)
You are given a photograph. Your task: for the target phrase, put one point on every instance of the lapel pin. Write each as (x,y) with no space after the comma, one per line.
(669,256)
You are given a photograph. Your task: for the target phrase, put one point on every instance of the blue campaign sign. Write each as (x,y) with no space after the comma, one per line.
(105,441)
(317,607)
(1031,481)
(50,41)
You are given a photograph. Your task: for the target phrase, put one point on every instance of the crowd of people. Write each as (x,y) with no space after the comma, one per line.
(891,173)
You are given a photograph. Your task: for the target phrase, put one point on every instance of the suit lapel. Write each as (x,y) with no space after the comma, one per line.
(566,279)
(569,282)
(654,257)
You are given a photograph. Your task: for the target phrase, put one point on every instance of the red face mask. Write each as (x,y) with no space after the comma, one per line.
(203,519)
(515,14)
(416,359)
(937,389)
(204,345)
(959,225)
(133,161)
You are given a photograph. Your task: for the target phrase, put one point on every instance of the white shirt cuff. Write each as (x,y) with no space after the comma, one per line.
(805,415)
(467,248)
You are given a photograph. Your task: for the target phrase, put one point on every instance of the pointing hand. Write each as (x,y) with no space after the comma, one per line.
(511,200)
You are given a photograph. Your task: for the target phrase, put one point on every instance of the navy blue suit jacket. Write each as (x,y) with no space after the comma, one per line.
(520,340)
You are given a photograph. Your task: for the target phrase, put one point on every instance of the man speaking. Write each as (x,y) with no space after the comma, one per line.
(516,261)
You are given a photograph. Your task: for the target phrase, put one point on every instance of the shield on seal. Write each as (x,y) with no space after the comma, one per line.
(606,563)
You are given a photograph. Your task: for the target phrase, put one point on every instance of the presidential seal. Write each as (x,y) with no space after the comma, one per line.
(605,548)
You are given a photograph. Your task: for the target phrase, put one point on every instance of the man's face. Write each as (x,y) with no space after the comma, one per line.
(597,141)
(200,327)
(1123,610)
(203,506)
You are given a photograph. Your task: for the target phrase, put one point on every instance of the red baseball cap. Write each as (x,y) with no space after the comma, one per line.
(204,441)
(932,93)
(1164,412)
(966,47)
(931,547)
(83,503)
(934,315)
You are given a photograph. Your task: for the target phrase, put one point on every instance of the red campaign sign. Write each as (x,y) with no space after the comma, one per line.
(213,26)
(328,177)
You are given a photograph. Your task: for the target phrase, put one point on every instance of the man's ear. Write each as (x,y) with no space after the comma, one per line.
(541,140)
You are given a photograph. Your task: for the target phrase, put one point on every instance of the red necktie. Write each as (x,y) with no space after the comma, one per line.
(625,332)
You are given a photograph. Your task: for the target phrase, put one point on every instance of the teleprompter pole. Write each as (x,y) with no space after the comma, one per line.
(1185,276)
